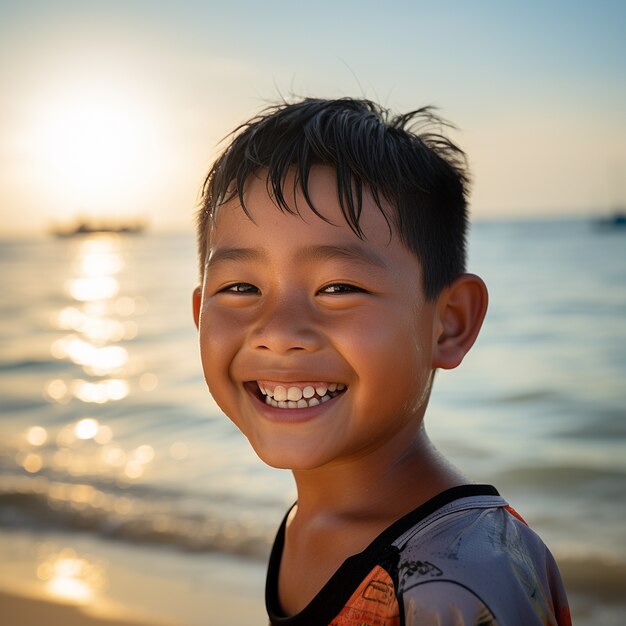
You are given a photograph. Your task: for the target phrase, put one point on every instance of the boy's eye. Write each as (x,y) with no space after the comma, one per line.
(243,288)
(340,288)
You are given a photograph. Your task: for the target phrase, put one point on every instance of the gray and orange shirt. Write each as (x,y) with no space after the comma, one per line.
(464,558)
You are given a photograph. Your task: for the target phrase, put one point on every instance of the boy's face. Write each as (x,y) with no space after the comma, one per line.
(294,306)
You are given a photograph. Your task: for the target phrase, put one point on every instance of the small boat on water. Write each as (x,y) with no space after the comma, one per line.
(85,227)
(616,220)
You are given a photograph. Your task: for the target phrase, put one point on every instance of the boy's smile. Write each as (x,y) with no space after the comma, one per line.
(298,396)
(317,344)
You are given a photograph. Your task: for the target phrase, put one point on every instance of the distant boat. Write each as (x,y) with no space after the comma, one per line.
(616,220)
(84,227)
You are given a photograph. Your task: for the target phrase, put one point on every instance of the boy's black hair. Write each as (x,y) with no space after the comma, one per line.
(399,159)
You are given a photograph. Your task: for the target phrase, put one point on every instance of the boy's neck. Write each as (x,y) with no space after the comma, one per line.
(389,482)
(343,507)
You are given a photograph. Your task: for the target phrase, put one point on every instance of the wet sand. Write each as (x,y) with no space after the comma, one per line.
(19,610)
(143,587)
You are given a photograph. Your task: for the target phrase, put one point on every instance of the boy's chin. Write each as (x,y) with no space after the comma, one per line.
(282,460)
(289,457)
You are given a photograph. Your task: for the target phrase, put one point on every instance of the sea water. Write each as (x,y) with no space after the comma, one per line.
(107,430)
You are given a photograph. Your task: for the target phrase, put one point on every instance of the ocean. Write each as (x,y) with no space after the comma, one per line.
(112,449)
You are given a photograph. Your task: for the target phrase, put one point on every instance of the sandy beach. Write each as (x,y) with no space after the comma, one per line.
(141,587)
(19,610)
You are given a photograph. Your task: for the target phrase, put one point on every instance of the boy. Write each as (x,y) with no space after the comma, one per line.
(332,258)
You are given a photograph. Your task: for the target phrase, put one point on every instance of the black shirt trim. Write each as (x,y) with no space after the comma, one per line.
(331,599)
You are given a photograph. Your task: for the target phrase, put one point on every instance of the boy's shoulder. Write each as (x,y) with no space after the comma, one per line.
(477,557)
(465,557)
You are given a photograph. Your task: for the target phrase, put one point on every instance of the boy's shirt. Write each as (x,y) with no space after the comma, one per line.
(464,558)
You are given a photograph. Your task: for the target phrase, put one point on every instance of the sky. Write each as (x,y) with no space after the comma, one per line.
(116,109)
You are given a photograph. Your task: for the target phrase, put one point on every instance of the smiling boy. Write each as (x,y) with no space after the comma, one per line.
(332,258)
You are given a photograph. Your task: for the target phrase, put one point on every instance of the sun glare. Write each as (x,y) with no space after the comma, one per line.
(94,150)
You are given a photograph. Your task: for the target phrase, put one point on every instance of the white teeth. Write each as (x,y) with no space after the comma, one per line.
(280,393)
(293,397)
(294,394)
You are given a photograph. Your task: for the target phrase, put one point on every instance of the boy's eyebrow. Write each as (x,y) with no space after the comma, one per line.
(219,255)
(350,252)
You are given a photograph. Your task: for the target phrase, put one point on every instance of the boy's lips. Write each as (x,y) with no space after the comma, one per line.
(295,395)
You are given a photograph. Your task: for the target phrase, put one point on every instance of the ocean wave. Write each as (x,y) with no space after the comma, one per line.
(608,424)
(529,396)
(575,477)
(602,577)
(72,506)
(33,364)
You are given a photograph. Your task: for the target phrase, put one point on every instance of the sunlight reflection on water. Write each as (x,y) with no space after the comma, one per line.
(95,319)
(68,575)
(93,344)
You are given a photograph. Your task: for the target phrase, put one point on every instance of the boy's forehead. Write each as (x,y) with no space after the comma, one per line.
(266,233)
(263,210)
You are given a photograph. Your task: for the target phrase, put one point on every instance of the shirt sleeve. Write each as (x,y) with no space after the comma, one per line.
(441,603)
(493,571)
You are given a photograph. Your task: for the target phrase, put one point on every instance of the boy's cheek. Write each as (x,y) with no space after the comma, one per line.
(220,338)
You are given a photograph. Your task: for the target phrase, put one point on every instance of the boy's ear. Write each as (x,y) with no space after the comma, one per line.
(461,309)
(197,302)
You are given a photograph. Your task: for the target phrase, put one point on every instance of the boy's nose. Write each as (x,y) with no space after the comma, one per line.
(284,326)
